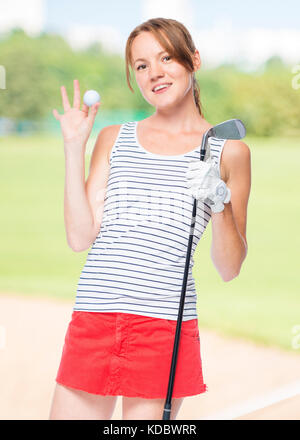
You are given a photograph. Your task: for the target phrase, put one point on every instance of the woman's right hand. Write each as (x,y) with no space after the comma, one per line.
(76,124)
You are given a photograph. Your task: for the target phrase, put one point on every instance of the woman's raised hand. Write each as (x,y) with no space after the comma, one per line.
(76,124)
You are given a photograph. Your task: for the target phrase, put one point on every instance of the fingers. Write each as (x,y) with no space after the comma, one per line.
(65,99)
(196,165)
(197,170)
(93,111)
(85,109)
(228,196)
(197,193)
(56,114)
(76,99)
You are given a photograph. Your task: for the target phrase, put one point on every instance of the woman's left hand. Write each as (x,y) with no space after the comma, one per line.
(205,184)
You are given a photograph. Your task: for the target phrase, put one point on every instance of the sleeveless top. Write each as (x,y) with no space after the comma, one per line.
(136,263)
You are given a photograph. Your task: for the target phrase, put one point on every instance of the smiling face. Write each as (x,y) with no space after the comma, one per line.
(153,65)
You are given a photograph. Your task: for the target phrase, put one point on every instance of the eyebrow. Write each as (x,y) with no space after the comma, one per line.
(143,59)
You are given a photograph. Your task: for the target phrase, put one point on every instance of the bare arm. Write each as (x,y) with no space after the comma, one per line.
(84,200)
(79,222)
(229,244)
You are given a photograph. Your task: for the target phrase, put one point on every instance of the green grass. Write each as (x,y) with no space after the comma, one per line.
(262,304)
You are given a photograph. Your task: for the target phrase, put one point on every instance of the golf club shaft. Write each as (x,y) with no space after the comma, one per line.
(231,129)
(167,407)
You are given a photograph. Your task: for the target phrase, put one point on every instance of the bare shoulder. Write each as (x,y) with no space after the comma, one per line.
(235,155)
(236,148)
(110,130)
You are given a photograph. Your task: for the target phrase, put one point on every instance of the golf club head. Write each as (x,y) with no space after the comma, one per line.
(230,129)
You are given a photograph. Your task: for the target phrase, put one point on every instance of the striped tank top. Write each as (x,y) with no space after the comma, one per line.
(136,263)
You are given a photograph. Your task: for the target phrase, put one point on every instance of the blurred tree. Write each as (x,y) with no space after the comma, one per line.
(25,95)
(37,67)
(274,63)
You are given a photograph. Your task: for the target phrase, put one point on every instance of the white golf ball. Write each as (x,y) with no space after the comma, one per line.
(91,97)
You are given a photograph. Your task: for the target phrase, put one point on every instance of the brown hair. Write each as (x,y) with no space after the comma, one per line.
(181,47)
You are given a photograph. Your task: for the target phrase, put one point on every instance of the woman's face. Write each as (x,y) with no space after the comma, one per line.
(152,65)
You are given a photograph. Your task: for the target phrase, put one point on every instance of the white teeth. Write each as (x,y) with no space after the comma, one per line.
(161,87)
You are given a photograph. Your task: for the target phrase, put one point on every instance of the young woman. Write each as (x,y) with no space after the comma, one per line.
(135,210)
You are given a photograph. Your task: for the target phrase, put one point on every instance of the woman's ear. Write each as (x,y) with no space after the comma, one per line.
(196,60)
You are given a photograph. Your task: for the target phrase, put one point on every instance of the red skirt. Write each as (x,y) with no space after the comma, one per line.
(122,354)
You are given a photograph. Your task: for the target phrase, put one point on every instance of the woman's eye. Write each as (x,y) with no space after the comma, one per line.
(144,65)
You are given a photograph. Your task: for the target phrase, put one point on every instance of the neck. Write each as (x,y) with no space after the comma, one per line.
(179,118)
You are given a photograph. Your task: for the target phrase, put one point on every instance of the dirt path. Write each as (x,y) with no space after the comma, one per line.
(31,339)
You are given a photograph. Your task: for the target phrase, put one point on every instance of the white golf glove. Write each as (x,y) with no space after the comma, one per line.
(205,184)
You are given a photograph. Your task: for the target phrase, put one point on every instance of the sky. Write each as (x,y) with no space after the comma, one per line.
(127,14)
(233,31)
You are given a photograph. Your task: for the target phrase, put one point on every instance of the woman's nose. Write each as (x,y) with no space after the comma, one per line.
(156,71)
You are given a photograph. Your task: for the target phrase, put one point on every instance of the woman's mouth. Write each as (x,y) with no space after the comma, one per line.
(161,89)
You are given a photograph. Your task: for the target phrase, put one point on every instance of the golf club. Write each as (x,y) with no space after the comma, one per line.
(230,129)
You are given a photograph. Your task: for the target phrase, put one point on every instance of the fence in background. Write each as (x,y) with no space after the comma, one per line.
(52,126)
